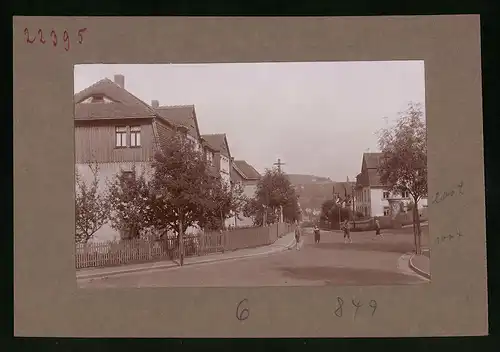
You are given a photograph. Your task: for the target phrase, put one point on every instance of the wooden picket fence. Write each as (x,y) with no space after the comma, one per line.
(102,254)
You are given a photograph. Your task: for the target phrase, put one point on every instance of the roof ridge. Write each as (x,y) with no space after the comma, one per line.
(175,106)
(107,80)
(93,85)
(213,134)
(240,171)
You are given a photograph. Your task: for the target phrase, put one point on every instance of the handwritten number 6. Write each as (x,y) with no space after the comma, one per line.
(338,311)
(244,313)
(373,304)
(54,37)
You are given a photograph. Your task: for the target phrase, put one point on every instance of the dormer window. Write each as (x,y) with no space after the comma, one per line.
(97,98)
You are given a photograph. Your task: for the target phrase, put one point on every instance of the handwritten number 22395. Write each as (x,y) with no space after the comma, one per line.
(53,36)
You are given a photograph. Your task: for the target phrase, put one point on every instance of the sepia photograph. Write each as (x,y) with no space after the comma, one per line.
(251,174)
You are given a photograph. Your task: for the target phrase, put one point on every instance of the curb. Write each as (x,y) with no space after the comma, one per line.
(171,265)
(417,270)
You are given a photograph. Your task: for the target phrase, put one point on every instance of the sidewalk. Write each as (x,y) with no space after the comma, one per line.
(280,245)
(421,264)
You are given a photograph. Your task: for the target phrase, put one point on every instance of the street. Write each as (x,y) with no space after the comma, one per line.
(366,261)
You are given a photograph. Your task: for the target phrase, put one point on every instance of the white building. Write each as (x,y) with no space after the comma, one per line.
(245,175)
(371,197)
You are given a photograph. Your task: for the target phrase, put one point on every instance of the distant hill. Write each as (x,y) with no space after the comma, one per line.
(298,179)
(314,190)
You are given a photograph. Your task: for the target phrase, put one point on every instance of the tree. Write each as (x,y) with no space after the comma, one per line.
(130,199)
(330,212)
(225,200)
(274,192)
(91,206)
(403,166)
(180,187)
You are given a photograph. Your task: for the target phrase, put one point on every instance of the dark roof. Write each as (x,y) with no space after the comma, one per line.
(370,176)
(217,142)
(343,187)
(374,178)
(163,133)
(246,170)
(124,105)
(372,160)
(180,115)
(93,111)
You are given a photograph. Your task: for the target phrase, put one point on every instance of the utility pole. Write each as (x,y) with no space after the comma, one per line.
(353,205)
(279,164)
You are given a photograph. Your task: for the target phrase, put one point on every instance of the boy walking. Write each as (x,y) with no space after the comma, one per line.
(347,232)
(297,237)
(316,234)
(377,229)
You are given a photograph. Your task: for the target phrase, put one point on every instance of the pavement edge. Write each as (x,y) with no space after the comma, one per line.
(172,265)
(416,269)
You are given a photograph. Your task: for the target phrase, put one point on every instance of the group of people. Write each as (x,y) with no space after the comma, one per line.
(344,226)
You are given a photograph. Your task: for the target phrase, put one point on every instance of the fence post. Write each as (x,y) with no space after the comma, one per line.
(223,240)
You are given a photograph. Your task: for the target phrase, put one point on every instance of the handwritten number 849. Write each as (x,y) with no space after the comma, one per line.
(356,305)
(53,36)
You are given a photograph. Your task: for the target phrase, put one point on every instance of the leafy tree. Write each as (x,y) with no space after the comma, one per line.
(403,166)
(334,214)
(91,206)
(180,185)
(225,200)
(274,191)
(130,199)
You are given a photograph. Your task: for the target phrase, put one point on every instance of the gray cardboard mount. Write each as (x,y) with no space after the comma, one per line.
(47,301)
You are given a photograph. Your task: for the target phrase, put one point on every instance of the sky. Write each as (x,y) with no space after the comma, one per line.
(317,117)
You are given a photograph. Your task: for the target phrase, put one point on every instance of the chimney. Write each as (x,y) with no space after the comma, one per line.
(120,80)
(155,104)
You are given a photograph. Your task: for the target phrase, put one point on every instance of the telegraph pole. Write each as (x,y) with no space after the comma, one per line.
(279,164)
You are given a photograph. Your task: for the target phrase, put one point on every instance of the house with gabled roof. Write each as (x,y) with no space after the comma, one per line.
(116,130)
(372,199)
(245,175)
(217,152)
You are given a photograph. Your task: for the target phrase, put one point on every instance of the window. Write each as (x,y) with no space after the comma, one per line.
(128,174)
(121,137)
(210,157)
(405,194)
(135,136)
(385,195)
(387,211)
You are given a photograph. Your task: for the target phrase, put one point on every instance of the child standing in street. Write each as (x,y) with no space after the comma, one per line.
(297,237)
(377,229)
(316,234)
(347,232)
